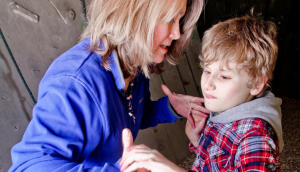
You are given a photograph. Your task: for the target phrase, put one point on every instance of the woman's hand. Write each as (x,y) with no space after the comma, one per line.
(194,133)
(140,157)
(186,105)
(127,140)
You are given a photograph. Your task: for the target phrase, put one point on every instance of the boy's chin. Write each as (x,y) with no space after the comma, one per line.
(209,107)
(213,109)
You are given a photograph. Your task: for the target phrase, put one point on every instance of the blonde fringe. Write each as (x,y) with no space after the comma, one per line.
(128,26)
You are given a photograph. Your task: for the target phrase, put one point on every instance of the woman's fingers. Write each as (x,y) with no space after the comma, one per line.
(186,105)
(198,113)
(131,151)
(154,162)
(198,100)
(136,165)
(137,155)
(199,107)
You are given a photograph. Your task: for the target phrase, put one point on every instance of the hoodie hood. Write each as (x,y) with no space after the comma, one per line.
(266,107)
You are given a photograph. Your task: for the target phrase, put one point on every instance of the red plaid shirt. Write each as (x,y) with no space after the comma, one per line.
(245,145)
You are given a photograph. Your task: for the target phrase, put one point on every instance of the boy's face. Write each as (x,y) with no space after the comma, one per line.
(224,89)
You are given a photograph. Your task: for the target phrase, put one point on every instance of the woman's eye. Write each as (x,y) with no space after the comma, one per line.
(172,21)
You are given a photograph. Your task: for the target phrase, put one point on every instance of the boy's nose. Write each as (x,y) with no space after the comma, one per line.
(209,84)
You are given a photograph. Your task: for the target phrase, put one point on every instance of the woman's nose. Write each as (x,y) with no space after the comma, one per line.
(175,32)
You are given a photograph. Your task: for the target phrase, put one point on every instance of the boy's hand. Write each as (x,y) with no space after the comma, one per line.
(186,105)
(194,133)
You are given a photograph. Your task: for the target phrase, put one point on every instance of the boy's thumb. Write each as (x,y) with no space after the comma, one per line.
(127,139)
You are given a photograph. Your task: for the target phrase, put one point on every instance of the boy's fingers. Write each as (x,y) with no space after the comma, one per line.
(191,120)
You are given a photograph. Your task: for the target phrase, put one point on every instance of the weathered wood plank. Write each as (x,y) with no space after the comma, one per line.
(178,139)
(53,35)
(155,86)
(190,83)
(15,107)
(32,47)
(22,42)
(193,61)
(156,137)
(172,78)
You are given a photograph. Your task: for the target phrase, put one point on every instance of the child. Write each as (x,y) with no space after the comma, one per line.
(243,132)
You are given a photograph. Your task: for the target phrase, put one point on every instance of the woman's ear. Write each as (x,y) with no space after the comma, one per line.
(259,87)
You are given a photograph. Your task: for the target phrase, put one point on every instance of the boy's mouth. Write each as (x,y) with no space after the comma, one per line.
(208,96)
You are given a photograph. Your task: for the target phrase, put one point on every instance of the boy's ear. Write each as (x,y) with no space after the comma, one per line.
(259,87)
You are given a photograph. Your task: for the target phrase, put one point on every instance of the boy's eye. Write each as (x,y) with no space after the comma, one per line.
(224,77)
(206,72)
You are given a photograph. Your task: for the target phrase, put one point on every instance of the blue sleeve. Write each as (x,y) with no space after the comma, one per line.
(63,131)
(156,112)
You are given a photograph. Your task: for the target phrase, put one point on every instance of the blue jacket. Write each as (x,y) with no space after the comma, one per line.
(80,114)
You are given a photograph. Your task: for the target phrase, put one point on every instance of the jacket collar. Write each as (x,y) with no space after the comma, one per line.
(116,70)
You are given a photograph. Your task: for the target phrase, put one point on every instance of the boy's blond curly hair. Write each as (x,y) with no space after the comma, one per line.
(249,41)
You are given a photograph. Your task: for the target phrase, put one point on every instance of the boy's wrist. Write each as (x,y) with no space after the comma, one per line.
(194,139)
(195,142)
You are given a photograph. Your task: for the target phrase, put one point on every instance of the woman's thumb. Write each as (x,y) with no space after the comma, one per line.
(126,138)
(166,90)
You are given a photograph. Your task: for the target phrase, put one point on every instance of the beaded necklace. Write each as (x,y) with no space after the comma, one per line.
(128,95)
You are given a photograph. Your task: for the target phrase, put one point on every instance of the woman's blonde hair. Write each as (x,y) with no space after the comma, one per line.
(249,41)
(128,26)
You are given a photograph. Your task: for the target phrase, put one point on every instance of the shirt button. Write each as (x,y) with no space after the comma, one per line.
(271,160)
(271,167)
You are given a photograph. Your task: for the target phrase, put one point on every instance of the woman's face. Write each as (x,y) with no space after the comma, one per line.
(164,34)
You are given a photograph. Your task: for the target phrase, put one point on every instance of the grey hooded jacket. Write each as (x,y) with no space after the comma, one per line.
(266,107)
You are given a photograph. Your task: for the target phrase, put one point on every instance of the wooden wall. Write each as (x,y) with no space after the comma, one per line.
(33,46)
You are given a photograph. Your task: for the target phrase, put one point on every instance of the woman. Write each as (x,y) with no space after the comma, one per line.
(100,86)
